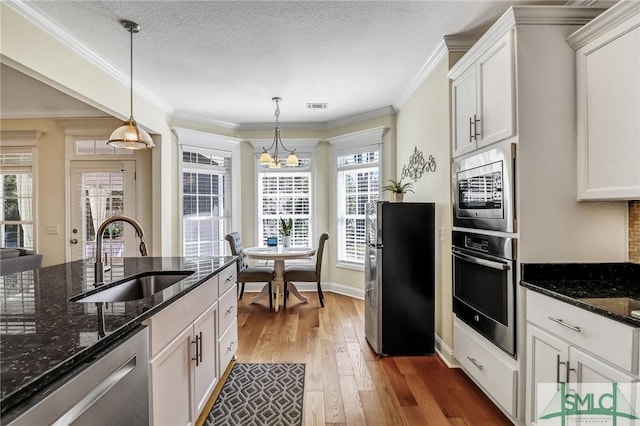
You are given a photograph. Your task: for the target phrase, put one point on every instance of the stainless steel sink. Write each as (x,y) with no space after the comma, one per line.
(133,288)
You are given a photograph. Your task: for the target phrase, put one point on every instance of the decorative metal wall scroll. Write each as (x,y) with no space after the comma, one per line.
(417,165)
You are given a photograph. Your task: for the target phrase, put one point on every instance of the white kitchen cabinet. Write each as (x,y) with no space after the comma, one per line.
(561,350)
(227,314)
(491,368)
(484,97)
(192,341)
(608,102)
(185,372)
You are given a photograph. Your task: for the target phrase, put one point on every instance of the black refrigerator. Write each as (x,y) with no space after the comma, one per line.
(399,278)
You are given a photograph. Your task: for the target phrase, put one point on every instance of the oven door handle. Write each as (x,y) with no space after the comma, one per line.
(480,261)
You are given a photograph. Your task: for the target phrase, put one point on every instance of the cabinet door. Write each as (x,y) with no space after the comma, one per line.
(587,369)
(171,379)
(206,372)
(546,363)
(608,111)
(463,110)
(496,93)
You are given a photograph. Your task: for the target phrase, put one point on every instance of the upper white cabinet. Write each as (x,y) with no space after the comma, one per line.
(608,104)
(483,97)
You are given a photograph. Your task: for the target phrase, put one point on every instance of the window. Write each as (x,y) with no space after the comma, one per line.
(206,201)
(16,216)
(285,193)
(358,183)
(358,170)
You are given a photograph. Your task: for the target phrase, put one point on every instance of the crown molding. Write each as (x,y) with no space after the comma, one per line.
(300,145)
(56,115)
(447,44)
(69,41)
(523,15)
(202,120)
(361,138)
(612,17)
(283,126)
(204,139)
(357,118)
(20,137)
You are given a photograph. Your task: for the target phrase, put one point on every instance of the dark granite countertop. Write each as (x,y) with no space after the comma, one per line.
(44,336)
(608,289)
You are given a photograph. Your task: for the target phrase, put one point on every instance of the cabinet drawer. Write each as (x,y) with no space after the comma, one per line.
(226,279)
(169,322)
(613,341)
(492,369)
(228,346)
(227,310)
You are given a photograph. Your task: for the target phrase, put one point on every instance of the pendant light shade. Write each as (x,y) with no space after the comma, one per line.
(271,159)
(129,135)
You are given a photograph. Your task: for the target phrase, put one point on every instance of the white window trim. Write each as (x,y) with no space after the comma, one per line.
(216,144)
(352,143)
(23,141)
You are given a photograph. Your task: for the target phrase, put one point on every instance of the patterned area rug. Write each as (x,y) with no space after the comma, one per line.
(260,394)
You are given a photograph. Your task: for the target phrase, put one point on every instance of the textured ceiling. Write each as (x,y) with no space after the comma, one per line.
(224,60)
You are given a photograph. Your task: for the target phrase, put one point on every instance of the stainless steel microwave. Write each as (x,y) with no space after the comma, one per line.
(484,190)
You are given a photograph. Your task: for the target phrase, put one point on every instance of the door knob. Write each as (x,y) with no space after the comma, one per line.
(73,241)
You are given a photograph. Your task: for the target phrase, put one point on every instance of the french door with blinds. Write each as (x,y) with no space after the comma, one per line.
(206,201)
(101,189)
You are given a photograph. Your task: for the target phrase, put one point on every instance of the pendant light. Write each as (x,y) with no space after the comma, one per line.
(129,135)
(271,159)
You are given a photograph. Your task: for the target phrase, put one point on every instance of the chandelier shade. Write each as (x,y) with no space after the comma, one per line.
(129,135)
(270,156)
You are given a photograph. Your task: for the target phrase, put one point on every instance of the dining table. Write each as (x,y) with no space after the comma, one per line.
(278,255)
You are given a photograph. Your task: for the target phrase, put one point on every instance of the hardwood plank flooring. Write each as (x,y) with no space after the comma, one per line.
(346,383)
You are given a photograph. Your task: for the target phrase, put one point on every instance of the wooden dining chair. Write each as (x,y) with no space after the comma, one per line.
(247,274)
(307,273)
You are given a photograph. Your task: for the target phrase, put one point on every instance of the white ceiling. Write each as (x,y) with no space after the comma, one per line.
(224,60)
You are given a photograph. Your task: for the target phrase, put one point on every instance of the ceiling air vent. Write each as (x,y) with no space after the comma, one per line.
(317,105)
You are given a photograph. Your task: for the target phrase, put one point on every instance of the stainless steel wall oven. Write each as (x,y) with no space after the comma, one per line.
(484,284)
(484,190)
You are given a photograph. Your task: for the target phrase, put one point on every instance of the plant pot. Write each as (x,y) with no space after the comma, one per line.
(399,197)
(286,241)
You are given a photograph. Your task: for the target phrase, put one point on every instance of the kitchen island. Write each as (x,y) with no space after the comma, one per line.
(45,336)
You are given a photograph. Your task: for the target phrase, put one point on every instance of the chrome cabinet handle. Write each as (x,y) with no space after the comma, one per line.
(229,278)
(475,127)
(470,131)
(558,364)
(200,352)
(474,362)
(231,345)
(561,322)
(197,358)
(479,261)
(230,309)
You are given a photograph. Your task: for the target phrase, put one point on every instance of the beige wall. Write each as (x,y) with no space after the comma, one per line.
(51,174)
(29,49)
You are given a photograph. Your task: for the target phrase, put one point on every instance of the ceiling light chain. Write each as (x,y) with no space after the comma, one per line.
(272,159)
(129,135)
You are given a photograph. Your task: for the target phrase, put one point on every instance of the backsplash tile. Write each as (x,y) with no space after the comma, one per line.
(634,231)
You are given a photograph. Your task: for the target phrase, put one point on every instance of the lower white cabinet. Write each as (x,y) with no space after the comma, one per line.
(490,367)
(192,341)
(555,358)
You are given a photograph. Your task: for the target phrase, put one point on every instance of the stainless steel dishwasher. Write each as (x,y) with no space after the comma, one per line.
(112,390)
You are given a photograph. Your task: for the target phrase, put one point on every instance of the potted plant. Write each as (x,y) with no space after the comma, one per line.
(286,227)
(398,188)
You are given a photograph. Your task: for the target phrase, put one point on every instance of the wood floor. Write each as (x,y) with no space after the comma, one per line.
(346,383)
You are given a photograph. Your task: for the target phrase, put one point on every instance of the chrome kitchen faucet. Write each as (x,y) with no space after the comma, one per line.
(99,266)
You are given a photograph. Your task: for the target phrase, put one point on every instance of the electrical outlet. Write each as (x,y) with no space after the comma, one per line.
(441,234)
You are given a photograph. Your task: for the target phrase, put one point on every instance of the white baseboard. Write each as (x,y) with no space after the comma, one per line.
(345,290)
(446,353)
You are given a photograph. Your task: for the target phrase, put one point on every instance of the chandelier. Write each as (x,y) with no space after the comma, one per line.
(129,135)
(270,158)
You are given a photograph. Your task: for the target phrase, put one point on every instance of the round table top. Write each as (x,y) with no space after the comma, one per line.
(275,253)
